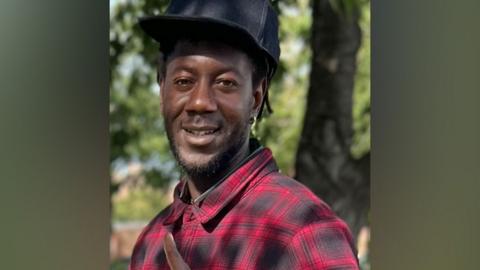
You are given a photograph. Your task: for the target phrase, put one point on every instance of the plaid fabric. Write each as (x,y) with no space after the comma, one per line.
(256,219)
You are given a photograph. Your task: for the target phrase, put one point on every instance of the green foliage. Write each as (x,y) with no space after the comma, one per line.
(119,265)
(361,95)
(136,128)
(141,203)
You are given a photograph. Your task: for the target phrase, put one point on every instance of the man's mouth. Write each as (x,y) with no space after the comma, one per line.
(200,136)
(200,132)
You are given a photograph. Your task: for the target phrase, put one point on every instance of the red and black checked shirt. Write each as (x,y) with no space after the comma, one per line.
(256,219)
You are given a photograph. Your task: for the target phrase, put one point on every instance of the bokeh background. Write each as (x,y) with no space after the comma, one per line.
(319,131)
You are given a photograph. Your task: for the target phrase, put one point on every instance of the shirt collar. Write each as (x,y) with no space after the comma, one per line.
(234,185)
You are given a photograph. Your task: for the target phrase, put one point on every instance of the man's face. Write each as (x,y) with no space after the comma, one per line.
(207,101)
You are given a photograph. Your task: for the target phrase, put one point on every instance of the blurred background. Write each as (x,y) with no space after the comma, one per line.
(319,131)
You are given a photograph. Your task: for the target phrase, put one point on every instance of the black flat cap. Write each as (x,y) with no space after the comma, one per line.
(252,24)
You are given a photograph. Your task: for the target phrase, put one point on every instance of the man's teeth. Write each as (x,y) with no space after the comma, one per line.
(200,132)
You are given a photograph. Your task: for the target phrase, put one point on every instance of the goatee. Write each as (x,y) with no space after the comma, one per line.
(217,164)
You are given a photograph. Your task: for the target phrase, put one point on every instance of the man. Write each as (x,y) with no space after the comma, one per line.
(233,209)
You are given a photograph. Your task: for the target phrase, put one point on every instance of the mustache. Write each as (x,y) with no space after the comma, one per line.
(201,120)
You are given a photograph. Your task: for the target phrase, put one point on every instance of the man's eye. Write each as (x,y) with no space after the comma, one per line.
(227,83)
(183,82)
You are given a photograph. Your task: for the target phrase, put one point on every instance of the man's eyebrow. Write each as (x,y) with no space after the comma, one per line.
(232,69)
(189,68)
(183,67)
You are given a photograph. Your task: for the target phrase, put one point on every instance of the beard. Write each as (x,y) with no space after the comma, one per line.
(219,163)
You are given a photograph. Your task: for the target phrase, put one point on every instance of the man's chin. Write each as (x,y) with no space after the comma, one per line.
(196,159)
(210,163)
(200,165)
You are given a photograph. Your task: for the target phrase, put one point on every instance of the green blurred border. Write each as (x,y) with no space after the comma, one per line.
(54,157)
(425,135)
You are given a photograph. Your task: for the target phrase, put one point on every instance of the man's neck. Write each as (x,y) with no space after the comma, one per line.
(197,186)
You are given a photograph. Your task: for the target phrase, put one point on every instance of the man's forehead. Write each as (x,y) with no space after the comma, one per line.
(224,54)
(186,47)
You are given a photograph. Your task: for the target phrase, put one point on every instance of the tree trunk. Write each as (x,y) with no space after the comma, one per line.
(324,162)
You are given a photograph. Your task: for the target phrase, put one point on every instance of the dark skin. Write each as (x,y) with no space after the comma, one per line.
(208,99)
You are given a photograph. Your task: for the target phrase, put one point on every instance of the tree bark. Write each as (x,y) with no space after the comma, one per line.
(323,161)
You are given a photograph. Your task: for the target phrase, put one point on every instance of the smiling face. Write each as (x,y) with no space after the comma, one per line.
(207,100)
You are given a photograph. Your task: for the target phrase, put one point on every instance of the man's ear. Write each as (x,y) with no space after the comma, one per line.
(258,96)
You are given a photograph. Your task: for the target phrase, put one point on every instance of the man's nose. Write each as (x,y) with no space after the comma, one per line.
(202,99)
